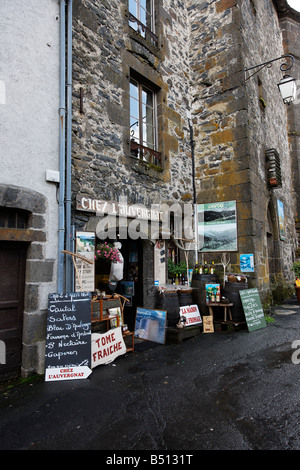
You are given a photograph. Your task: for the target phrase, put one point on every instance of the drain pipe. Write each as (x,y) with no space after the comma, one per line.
(61,222)
(192,142)
(69,234)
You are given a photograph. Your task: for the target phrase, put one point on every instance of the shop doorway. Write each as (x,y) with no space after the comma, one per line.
(131,286)
(12,283)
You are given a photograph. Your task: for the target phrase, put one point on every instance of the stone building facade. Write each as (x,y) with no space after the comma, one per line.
(195,64)
(163,117)
(239,121)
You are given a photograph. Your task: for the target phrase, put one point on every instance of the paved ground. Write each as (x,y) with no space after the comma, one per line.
(220,391)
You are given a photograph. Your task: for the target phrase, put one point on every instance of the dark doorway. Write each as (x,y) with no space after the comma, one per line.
(131,286)
(12,283)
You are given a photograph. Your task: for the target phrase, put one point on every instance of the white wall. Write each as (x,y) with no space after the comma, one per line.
(29,100)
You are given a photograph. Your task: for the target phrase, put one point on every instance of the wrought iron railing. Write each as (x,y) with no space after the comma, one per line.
(141,28)
(145,153)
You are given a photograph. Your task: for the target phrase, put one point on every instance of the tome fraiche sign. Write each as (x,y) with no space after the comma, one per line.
(192,314)
(107,346)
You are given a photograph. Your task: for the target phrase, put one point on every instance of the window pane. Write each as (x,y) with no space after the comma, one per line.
(147,97)
(134,129)
(148,136)
(133,7)
(143,16)
(143,4)
(134,89)
(134,108)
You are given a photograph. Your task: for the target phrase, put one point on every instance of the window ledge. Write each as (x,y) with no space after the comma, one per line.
(149,169)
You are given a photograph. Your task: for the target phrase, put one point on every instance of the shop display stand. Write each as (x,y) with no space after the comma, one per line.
(220,304)
(224,321)
(99,315)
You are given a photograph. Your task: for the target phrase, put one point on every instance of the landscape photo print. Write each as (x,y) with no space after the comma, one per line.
(217,226)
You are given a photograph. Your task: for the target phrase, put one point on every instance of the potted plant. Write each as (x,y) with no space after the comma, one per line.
(174,269)
(296,269)
(107,252)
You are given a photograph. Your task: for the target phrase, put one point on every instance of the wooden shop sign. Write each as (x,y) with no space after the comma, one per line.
(121,208)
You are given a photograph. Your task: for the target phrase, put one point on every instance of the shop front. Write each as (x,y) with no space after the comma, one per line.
(117,237)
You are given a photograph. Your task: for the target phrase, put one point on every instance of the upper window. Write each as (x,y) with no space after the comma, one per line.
(141,19)
(143,123)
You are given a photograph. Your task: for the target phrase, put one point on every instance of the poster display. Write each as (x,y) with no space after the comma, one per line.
(85,246)
(68,339)
(208,324)
(217,227)
(280,213)
(212,293)
(150,325)
(247,263)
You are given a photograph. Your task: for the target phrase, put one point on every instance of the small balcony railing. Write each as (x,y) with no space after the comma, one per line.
(145,153)
(143,30)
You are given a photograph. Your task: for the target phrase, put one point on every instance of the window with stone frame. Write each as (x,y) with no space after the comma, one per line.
(142,19)
(143,122)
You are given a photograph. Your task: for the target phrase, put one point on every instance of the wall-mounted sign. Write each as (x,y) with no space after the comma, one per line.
(280,212)
(217,227)
(85,246)
(68,340)
(120,208)
(247,263)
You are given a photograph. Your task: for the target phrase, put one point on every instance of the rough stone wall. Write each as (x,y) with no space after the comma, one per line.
(290,27)
(104,50)
(203,49)
(236,122)
(267,113)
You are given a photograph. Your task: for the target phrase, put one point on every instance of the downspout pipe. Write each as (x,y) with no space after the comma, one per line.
(62,112)
(194,189)
(69,234)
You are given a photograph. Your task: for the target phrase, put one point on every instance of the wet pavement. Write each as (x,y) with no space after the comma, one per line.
(228,390)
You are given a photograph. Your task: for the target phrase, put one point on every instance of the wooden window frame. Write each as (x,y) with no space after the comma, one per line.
(137,147)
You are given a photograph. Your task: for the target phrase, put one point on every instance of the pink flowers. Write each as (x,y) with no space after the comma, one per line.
(107,252)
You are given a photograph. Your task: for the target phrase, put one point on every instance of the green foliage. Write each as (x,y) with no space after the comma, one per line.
(174,269)
(296,269)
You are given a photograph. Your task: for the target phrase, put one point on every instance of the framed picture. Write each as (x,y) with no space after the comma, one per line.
(280,213)
(212,293)
(247,263)
(113,312)
(150,325)
(85,246)
(127,287)
(217,227)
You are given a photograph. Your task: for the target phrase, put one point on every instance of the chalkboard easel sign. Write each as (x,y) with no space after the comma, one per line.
(253,310)
(68,340)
